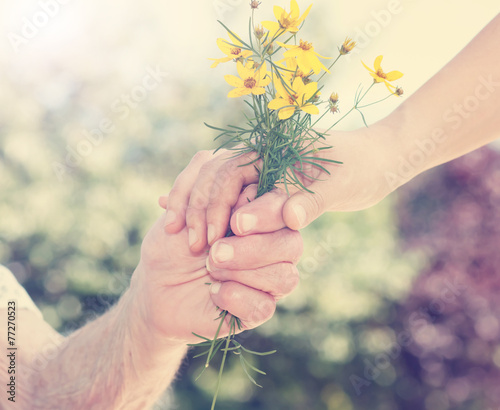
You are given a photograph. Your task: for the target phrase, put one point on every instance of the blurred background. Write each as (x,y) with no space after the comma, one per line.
(397,306)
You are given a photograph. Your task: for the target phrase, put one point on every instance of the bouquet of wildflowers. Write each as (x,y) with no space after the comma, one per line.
(279,74)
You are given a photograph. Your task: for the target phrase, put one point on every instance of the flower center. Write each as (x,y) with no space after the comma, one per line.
(286,21)
(381,74)
(292,99)
(304,45)
(236,51)
(250,82)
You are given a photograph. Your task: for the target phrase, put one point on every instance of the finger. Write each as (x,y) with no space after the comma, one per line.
(279,279)
(163,201)
(247,195)
(179,195)
(255,251)
(199,198)
(264,214)
(231,176)
(304,207)
(253,307)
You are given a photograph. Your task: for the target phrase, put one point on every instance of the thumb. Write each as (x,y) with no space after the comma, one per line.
(304,207)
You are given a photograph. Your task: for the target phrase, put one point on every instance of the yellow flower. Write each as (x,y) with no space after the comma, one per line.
(251,81)
(381,77)
(286,21)
(232,49)
(307,58)
(294,96)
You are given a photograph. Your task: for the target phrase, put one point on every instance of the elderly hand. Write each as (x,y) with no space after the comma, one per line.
(247,275)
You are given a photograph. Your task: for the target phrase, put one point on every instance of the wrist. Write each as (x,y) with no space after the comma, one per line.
(137,309)
(401,159)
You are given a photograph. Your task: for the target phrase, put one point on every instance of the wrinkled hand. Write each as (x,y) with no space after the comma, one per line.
(205,192)
(247,275)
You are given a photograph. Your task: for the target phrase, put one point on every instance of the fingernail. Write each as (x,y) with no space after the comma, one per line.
(169,217)
(193,238)
(207,264)
(215,287)
(245,222)
(222,252)
(300,214)
(210,233)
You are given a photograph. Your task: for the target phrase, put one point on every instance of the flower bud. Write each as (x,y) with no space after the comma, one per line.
(333,101)
(270,47)
(399,91)
(334,98)
(254,4)
(259,32)
(347,46)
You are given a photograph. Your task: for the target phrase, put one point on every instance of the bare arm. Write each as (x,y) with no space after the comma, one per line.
(455,112)
(114,362)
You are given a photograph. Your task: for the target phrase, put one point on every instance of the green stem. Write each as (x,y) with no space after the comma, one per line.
(228,340)
(329,68)
(222,318)
(322,115)
(376,102)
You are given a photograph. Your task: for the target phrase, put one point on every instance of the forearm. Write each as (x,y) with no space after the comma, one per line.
(110,363)
(455,112)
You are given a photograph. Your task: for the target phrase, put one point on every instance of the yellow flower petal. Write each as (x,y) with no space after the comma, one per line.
(286,113)
(272,26)
(284,45)
(309,90)
(320,56)
(393,75)
(368,68)
(310,109)
(294,9)
(238,92)
(277,103)
(390,87)
(235,40)
(233,80)
(278,12)
(258,90)
(304,62)
(242,71)
(300,20)
(377,63)
(265,82)
(298,86)
(262,71)
(280,88)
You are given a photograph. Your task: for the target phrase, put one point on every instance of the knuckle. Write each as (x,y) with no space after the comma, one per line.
(207,168)
(228,169)
(316,201)
(199,198)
